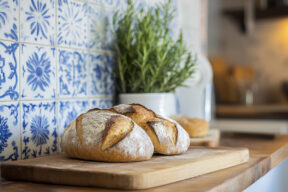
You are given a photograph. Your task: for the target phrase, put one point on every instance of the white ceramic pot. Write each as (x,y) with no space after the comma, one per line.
(162,103)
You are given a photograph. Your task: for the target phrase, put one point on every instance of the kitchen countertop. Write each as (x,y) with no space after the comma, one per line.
(265,153)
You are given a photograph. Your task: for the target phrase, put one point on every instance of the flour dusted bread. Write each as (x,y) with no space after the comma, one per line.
(168,136)
(194,126)
(105,136)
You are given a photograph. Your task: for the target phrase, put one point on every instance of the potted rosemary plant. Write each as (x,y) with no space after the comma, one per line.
(150,65)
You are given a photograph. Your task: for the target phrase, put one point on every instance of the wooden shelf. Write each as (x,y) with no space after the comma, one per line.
(270,13)
(238,15)
(256,111)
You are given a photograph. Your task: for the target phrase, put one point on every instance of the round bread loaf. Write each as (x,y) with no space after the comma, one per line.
(102,136)
(194,126)
(167,136)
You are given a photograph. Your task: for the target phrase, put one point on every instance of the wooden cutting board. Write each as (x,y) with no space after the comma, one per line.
(160,170)
(211,140)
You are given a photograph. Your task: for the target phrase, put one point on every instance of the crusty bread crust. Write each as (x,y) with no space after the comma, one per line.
(168,136)
(194,126)
(116,129)
(106,136)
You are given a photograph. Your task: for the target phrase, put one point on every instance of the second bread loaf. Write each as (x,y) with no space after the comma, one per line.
(195,127)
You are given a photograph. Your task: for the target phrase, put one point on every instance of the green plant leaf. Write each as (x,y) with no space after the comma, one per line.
(148,59)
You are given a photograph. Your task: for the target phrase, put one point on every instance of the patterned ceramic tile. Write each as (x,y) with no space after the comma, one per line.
(37,19)
(99,33)
(9,19)
(9,58)
(101,74)
(139,4)
(38,72)
(108,45)
(108,2)
(72,73)
(75,29)
(101,103)
(154,3)
(72,24)
(69,110)
(9,131)
(96,33)
(95,1)
(112,3)
(123,5)
(39,129)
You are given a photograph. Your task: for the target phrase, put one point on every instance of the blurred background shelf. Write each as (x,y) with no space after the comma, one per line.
(251,126)
(253,112)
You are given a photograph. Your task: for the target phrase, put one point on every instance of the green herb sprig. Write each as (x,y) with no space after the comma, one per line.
(148,59)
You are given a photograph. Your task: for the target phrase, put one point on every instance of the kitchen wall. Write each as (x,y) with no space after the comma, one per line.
(265,49)
(192,21)
(56,62)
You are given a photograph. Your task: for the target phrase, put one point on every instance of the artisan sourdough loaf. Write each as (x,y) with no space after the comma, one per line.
(105,136)
(168,136)
(194,126)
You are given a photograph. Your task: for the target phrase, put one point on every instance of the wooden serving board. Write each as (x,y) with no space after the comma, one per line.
(160,170)
(211,140)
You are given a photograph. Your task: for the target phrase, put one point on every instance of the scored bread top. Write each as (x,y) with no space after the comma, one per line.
(167,135)
(106,136)
(110,128)
(116,129)
(164,130)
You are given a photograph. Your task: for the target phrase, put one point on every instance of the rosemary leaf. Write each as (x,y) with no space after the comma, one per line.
(148,59)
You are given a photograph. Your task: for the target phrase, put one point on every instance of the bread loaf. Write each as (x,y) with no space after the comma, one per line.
(105,136)
(168,136)
(194,126)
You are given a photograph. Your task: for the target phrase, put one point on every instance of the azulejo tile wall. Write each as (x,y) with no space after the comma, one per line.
(56,61)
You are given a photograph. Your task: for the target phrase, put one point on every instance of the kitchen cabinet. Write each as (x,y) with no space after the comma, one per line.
(274,180)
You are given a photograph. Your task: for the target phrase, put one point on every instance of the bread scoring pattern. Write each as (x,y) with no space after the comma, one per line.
(116,129)
(106,136)
(168,136)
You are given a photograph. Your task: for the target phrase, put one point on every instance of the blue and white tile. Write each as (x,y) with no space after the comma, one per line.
(9,83)
(37,21)
(39,129)
(140,4)
(9,131)
(99,30)
(72,24)
(101,74)
(38,78)
(107,3)
(68,111)
(101,103)
(154,3)
(112,3)
(121,5)
(9,20)
(95,1)
(72,72)
(97,27)
(108,15)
